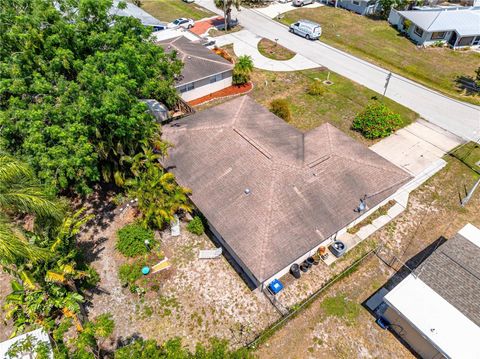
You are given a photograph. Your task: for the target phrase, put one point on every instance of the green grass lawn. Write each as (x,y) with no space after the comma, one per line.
(469,154)
(168,10)
(378,42)
(338,105)
(272,50)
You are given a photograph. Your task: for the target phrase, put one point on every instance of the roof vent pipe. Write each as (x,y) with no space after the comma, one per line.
(247,191)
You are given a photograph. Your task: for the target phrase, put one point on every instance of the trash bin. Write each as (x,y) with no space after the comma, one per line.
(295,270)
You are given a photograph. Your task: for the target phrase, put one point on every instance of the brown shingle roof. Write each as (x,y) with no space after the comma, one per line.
(199,61)
(304,187)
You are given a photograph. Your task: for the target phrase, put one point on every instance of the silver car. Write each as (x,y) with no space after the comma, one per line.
(306,28)
(302,2)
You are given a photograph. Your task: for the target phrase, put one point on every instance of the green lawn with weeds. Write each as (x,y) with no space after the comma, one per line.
(337,103)
(341,307)
(169,10)
(378,42)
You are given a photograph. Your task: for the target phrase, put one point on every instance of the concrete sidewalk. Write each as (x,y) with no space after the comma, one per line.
(245,43)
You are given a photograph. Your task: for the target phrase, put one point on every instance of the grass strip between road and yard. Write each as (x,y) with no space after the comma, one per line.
(376,41)
(294,311)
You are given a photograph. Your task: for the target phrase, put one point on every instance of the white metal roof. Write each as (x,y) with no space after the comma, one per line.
(466,22)
(39,335)
(450,331)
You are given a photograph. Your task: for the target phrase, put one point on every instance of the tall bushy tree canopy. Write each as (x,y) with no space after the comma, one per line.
(71,76)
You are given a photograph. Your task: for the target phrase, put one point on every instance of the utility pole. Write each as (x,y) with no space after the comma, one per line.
(389,76)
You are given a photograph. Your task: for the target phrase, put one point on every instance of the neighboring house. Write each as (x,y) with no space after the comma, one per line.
(362,7)
(25,345)
(138,13)
(203,73)
(459,27)
(271,193)
(436,309)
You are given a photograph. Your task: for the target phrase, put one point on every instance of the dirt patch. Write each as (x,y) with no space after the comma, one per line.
(194,299)
(274,51)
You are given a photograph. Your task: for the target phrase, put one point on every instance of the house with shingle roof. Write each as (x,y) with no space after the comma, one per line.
(272,194)
(436,309)
(204,72)
(458,27)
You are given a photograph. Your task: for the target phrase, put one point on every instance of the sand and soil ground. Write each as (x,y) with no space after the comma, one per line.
(194,299)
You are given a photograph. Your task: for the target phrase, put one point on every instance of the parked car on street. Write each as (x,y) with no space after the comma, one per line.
(306,28)
(181,22)
(302,2)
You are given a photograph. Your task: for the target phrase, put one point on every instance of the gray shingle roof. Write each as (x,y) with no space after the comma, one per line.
(199,61)
(303,186)
(453,271)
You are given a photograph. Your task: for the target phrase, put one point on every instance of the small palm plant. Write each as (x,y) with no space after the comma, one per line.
(159,196)
(242,70)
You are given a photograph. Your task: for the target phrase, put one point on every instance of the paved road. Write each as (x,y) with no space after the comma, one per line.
(457,117)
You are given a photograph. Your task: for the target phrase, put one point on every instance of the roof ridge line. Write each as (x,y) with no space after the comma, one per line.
(363,162)
(268,222)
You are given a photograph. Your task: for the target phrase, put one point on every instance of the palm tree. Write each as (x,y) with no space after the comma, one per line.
(226,6)
(20,193)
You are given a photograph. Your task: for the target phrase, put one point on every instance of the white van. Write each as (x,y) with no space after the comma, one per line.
(308,29)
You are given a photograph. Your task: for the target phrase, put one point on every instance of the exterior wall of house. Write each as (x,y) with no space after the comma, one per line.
(233,254)
(204,87)
(409,334)
(361,7)
(395,19)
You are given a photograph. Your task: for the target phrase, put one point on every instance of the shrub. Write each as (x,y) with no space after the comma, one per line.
(195,226)
(316,88)
(377,121)
(281,108)
(131,240)
(130,273)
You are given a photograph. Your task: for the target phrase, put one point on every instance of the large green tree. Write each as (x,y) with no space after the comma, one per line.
(71,77)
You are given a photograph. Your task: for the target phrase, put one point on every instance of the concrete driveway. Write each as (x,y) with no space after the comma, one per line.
(245,43)
(417,147)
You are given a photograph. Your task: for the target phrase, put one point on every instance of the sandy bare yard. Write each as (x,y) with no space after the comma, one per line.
(194,299)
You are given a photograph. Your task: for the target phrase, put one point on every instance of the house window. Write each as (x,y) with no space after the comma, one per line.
(356,2)
(187,87)
(476,41)
(418,31)
(216,78)
(438,35)
(465,41)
